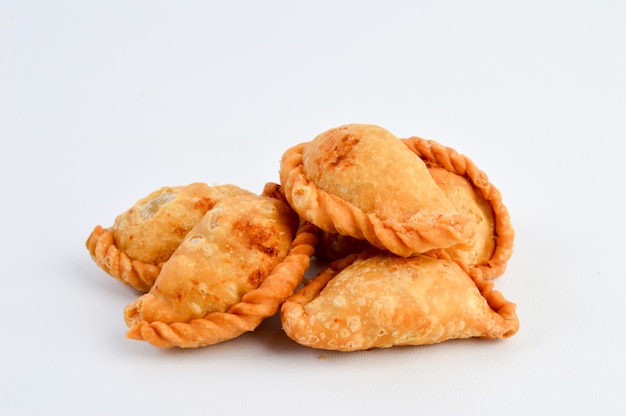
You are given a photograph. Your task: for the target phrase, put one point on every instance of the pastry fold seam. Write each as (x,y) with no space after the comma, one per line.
(244,316)
(436,154)
(362,320)
(335,215)
(117,264)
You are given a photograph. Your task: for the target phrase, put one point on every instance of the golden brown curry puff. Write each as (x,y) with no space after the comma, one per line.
(470,190)
(378,300)
(360,180)
(145,236)
(231,271)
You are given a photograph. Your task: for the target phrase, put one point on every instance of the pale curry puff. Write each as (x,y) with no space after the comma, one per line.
(378,300)
(234,268)
(142,238)
(361,181)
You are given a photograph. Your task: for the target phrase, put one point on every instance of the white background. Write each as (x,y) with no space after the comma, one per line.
(102,102)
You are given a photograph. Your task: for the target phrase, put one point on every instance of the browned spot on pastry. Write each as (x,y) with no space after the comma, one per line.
(257,237)
(338,150)
(205,204)
(255,278)
(178,230)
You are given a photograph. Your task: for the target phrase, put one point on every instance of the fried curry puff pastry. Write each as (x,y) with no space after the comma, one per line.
(361,181)
(231,271)
(145,236)
(471,192)
(378,300)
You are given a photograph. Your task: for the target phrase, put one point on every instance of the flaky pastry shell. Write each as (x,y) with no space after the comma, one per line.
(360,181)
(491,247)
(378,300)
(220,283)
(470,190)
(142,238)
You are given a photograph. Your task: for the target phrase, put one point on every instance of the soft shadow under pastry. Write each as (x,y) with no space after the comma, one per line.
(145,236)
(361,181)
(378,300)
(232,270)
(333,246)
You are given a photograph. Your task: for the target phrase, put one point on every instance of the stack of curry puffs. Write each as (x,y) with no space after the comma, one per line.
(412,231)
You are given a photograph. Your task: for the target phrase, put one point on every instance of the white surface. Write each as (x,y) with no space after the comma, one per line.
(103,102)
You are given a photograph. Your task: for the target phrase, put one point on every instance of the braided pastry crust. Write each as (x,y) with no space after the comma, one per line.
(169,322)
(244,316)
(377,300)
(359,181)
(502,235)
(469,189)
(117,264)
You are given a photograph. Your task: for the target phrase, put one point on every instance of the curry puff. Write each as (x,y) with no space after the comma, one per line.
(230,272)
(145,236)
(361,181)
(471,192)
(378,300)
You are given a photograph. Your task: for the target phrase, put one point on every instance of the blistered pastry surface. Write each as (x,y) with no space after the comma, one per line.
(405,214)
(414,232)
(145,236)
(382,300)
(244,316)
(153,228)
(233,248)
(356,162)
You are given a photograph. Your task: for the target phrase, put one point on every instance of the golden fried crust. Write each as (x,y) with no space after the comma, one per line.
(467,199)
(227,254)
(155,226)
(359,180)
(232,270)
(377,300)
(145,236)
(245,315)
(370,168)
(117,264)
(436,155)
